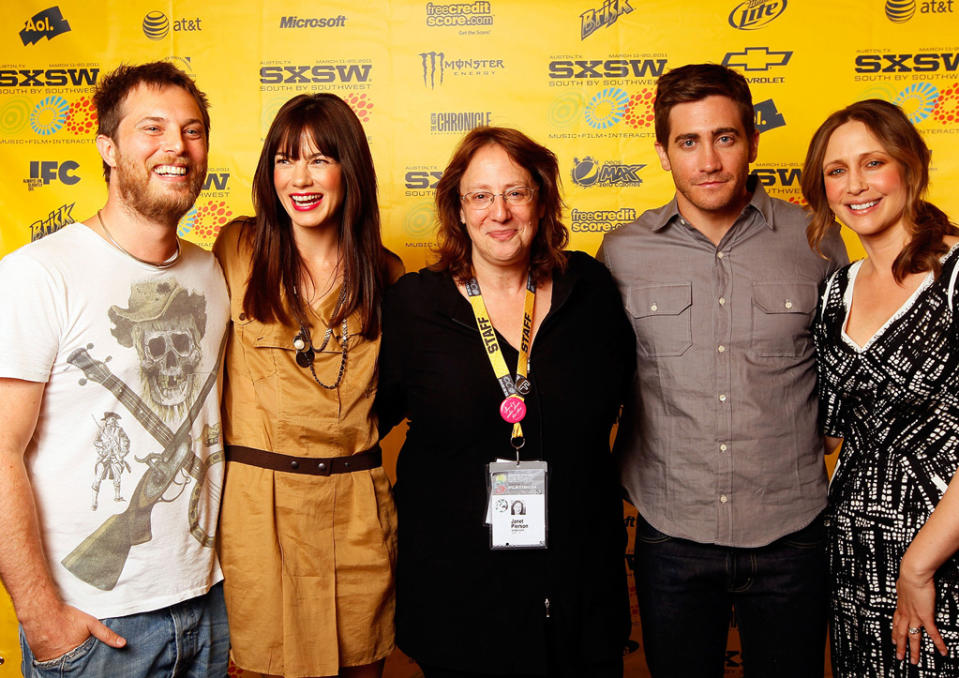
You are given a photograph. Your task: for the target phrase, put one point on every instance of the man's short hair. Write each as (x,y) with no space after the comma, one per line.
(113,88)
(695,82)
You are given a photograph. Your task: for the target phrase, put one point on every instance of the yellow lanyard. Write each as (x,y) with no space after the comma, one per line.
(513,407)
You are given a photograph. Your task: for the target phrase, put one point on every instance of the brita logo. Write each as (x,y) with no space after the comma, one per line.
(753,14)
(46,24)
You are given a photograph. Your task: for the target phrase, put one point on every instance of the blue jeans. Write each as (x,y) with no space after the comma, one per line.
(686,591)
(187,639)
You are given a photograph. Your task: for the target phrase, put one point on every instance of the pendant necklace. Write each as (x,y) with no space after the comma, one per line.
(162,265)
(306,353)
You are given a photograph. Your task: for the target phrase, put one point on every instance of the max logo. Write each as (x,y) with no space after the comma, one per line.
(46,24)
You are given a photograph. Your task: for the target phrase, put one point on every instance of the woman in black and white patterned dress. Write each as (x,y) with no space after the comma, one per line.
(888,350)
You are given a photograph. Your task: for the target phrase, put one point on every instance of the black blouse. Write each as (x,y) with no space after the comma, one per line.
(459,604)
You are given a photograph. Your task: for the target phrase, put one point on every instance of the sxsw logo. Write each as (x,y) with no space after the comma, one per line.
(593,19)
(50,77)
(216,181)
(319,73)
(42,172)
(588,172)
(753,14)
(756,59)
(422,179)
(926,62)
(778,176)
(608,68)
(46,24)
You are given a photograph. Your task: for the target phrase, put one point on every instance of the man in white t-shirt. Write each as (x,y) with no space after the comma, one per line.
(110,349)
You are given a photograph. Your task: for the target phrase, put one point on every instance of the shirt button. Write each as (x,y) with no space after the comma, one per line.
(721,349)
(719,255)
(654,307)
(723,498)
(788,304)
(722,447)
(722,397)
(243,316)
(722,301)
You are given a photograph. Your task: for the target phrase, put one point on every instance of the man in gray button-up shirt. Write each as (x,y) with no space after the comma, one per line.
(719,448)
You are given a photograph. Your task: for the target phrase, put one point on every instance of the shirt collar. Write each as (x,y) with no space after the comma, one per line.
(760,202)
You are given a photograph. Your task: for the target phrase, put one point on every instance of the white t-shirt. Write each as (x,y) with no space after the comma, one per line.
(127,488)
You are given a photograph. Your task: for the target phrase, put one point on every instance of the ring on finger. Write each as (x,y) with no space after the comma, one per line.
(914,630)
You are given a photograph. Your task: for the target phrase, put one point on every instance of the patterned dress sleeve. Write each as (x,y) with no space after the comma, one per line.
(831,411)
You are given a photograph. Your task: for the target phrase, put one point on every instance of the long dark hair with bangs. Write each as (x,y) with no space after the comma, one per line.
(277,265)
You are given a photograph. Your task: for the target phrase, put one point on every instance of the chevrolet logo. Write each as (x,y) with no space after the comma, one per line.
(756,59)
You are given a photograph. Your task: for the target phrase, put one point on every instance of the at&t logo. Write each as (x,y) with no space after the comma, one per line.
(753,14)
(156,25)
(901,11)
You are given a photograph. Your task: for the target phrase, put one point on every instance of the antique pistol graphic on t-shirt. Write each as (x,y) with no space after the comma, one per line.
(100,558)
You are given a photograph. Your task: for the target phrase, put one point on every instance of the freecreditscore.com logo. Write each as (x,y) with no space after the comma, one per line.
(459,14)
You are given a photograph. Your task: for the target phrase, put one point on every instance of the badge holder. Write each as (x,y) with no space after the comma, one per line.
(517,503)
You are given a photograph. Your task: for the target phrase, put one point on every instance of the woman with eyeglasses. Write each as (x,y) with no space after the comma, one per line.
(510,358)
(307,530)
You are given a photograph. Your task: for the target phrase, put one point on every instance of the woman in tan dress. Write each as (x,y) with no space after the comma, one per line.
(307,532)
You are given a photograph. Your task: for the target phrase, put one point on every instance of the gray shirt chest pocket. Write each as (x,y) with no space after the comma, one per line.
(782,314)
(662,318)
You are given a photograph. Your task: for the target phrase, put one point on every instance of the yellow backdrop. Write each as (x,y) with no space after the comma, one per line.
(577,75)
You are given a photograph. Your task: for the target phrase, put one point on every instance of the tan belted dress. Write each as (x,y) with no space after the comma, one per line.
(308,560)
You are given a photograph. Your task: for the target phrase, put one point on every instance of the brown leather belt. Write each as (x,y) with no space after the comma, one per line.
(316,466)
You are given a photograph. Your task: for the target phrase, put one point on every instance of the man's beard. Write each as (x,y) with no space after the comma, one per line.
(165,206)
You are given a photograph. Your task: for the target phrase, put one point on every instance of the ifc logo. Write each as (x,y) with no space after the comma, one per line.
(156,25)
(900,11)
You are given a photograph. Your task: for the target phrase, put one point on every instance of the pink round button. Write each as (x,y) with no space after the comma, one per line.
(512,409)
